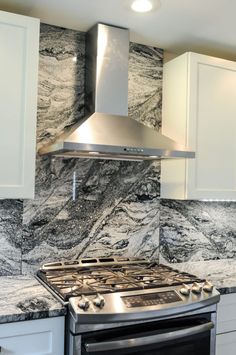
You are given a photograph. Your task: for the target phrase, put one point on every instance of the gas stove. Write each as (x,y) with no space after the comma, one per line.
(90,285)
(99,276)
(113,293)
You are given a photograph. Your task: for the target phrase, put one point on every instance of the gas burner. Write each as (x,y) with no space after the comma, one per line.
(90,277)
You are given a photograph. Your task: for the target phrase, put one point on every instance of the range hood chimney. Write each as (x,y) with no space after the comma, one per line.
(107,132)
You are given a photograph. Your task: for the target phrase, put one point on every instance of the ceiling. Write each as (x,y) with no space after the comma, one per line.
(204,26)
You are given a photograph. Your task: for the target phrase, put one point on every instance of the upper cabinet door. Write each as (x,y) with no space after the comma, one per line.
(199,111)
(19,48)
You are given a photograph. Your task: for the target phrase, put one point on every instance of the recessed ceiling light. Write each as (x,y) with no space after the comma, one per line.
(141,5)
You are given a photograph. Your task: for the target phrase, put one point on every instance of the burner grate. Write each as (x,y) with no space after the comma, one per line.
(111,278)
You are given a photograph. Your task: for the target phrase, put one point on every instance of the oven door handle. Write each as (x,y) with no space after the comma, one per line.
(148,340)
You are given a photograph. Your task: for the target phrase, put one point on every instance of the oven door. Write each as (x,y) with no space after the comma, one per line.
(185,336)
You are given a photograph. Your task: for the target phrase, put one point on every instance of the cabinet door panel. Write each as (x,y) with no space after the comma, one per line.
(19,39)
(12,72)
(199,111)
(212,129)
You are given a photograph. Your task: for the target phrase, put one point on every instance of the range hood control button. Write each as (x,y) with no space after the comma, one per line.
(185,290)
(208,287)
(133,150)
(196,288)
(99,301)
(83,303)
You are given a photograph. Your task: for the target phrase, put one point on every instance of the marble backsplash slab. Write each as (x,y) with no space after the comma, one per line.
(145,84)
(197,230)
(61,80)
(116,210)
(10,236)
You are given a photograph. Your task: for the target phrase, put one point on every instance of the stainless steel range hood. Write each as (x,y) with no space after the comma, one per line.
(107,132)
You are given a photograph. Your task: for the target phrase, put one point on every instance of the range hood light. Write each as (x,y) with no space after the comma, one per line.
(141,6)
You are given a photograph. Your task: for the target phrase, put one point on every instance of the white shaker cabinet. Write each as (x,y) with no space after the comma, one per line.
(199,111)
(35,337)
(226,325)
(19,52)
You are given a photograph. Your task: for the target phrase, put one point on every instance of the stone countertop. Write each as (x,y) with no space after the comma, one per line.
(24,298)
(222,273)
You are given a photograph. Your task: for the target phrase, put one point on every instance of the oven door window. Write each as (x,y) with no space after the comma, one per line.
(171,337)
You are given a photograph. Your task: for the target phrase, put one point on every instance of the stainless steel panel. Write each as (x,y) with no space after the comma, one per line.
(112,70)
(148,340)
(116,136)
(88,262)
(115,309)
(80,328)
(107,54)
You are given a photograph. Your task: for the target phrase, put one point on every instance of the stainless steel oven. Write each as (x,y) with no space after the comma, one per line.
(187,335)
(182,335)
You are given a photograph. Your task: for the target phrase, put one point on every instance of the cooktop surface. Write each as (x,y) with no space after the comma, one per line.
(109,275)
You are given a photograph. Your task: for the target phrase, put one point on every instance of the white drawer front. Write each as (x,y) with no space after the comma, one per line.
(226,314)
(37,337)
(29,344)
(226,344)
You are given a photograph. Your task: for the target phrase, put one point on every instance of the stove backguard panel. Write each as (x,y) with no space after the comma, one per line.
(116,210)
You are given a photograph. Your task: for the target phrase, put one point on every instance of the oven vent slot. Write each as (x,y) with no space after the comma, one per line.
(72,262)
(107,260)
(53,264)
(88,261)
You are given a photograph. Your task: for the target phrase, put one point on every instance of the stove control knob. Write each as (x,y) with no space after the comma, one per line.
(185,290)
(208,287)
(83,303)
(99,301)
(196,288)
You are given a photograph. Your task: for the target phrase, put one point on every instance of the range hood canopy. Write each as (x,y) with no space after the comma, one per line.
(107,132)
